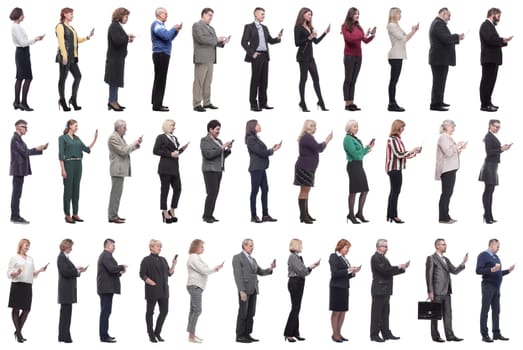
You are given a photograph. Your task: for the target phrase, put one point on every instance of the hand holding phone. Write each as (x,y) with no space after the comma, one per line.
(175,257)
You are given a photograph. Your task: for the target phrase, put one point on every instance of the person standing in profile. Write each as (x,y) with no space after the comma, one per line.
(439,288)
(442,54)
(255,41)
(20,167)
(489,267)
(491,57)
(205,42)
(161,38)
(489,171)
(107,285)
(120,167)
(155,272)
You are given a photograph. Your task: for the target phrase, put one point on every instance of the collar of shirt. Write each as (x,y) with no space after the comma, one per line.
(489,252)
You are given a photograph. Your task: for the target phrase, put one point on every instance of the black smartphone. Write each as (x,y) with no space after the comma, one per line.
(372,141)
(281,31)
(232,141)
(45,267)
(176,257)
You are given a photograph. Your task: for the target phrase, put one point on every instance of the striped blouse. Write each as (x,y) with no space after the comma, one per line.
(397,155)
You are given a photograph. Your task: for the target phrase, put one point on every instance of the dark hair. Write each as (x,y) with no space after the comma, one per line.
(437,241)
(493,121)
(443,9)
(213,124)
(64,11)
(20,122)
(493,11)
(250,128)
(206,11)
(108,241)
(301,21)
(258,9)
(68,126)
(493,240)
(16,14)
(349,23)
(120,13)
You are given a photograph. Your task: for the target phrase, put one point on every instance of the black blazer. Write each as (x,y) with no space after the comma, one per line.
(382,275)
(20,165)
(108,274)
(67,274)
(163,147)
(442,44)
(492,148)
(301,39)
(156,268)
(258,153)
(251,40)
(491,44)
(339,272)
(117,40)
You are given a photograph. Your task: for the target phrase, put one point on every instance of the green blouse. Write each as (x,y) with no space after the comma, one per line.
(354,148)
(69,147)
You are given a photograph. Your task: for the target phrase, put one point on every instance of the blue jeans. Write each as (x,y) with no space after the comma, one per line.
(113,94)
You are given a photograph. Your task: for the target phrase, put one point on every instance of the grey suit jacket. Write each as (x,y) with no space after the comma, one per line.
(246,274)
(119,155)
(205,42)
(213,156)
(438,274)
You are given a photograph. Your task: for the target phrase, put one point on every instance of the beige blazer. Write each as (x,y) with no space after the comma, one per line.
(398,40)
(119,155)
(447,155)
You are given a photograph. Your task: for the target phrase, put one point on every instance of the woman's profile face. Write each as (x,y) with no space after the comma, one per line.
(124,19)
(68,16)
(356,16)
(215,132)
(74,128)
(307,16)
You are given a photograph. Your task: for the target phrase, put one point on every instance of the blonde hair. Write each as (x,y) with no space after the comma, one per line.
(395,128)
(195,244)
(309,126)
(393,12)
(167,124)
(154,243)
(66,244)
(350,124)
(21,245)
(295,246)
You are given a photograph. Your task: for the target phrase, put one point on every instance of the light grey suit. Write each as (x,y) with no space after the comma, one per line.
(205,42)
(119,167)
(438,270)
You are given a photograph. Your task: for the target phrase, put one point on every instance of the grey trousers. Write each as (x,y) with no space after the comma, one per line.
(114,198)
(201,89)
(195,309)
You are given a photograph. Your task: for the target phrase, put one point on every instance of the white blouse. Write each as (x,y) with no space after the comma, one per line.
(197,271)
(28,269)
(20,36)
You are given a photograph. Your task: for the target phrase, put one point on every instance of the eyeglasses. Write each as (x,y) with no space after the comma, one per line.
(497,126)
(23,126)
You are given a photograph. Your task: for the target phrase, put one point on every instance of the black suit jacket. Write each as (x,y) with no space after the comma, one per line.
(163,147)
(382,274)
(301,39)
(492,148)
(157,269)
(108,274)
(442,50)
(258,153)
(20,165)
(251,40)
(67,274)
(340,275)
(491,44)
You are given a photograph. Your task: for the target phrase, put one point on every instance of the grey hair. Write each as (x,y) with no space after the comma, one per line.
(119,124)
(246,241)
(159,10)
(446,123)
(380,242)
(350,124)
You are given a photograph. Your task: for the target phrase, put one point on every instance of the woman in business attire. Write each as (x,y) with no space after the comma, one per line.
(397,53)
(304,36)
(67,274)
(258,163)
(355,151)
(70,154)
(67,57)
(395,161)
(353,35)
(214,152)
(489,171)
(168,148)
(305,167)
(117,40)
(24,73)
(297,271)
(21,271)
(447,164)
(197,273)
(341,273)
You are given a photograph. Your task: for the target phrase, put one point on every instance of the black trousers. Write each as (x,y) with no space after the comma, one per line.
(489,299)
(352,69)
(439,79)
(487,201)
(396,180)
(106,307)
(379,316)
(259,80)
(395,71)
(18,184)
(163,305)
(305,69)
(71,66)
(448,179)
(246,312)
(161,67)
(295,287)
(168,181)
(259,181)
(447,318)
(64,323)
(489,74)
(212,181)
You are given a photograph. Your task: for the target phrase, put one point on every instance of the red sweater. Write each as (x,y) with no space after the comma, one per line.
(353,40)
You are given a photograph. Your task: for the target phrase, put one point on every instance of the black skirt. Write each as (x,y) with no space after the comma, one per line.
(357,177)
(303,177)
(23,63)
(21,296)
(338,299)
(489,173)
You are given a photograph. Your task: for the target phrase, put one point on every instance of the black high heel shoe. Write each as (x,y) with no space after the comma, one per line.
(116,109)
(299,338)
(166,220)
(303,107)
(18,337)
(72,101)
(488,220)
(395,219)
(352,219)
(290,339)
(61,103)
(361,217)
(321,105)
(173,218)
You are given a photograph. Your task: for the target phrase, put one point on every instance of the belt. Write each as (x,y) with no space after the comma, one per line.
(261,51)
(73,159)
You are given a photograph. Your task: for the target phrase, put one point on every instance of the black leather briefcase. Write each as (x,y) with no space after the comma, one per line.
(429,310)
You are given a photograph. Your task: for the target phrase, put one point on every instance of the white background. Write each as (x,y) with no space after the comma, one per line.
(42,198)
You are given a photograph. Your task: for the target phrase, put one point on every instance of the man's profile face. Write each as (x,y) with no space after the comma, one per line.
(259,15)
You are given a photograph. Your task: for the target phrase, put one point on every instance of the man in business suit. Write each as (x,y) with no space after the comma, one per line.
(246,272)
(107,284)
(255,42)
(489,267)
(439,289)
(155,272)
(442,54)
(120,167)
(20,167)
(381,290)
(491,57)
(205,42)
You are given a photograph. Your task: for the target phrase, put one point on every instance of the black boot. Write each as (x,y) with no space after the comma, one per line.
(72,101)
(307,210)
(303,211)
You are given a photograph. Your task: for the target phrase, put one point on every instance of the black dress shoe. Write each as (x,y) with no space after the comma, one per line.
(152,339)
(251,338)
(391,337)
(256,219)
(439,108)
(377,338)
(445,104)
(199,109)
(268,218)
(266,107)
(488,109)
(243,340)
(491,105)
(210,106)
(108,340)
(160,109)
(499,337)
(395,108)
(454,338)
(487,339)
(438,340)
(352,108)
(255,109)
(208,220)
(19,220)
(159,338)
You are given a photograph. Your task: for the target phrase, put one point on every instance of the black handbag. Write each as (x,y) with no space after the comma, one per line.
(429,310)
